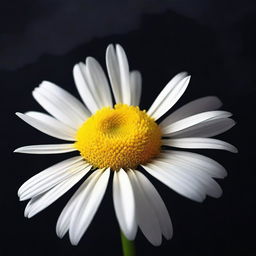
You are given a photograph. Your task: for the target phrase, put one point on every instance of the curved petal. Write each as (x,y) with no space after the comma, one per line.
(193,120)
(56,107)
(136,87)
(119,75)
(97,78)
(48,125)
(177,180)
(49,182)
(204,104)
(169,95)
(206,164)
(63,222)
(92,87)
(86,207)
(37,204)
(124,74)
(46,179)
(124,204)
(145,214)
(114,73)
(206,129)
(157,203)
(79,113)
(212,188)
(87,92)
(200,143)
(46,149)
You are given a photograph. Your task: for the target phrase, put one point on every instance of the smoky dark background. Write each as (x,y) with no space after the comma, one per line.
(213,40)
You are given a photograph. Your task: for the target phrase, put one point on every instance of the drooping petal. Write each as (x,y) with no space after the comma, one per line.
(88,93)
(48,183)
(98,79)
(212,188)
(136,87)
(157,203)
(124,204)
(177,180)
(194,120)
(46,149)
(169,95)
(206,164)
(204,104)
(63,222)
(194,142)
(37,204)
(86,207)
(206,129)
(48,125)
(145,214)
(46,179)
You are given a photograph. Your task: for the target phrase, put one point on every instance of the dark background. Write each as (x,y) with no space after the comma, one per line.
(213,40)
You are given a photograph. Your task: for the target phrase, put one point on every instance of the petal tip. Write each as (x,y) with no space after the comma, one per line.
(18,114)
(235,150)
(59,235)
(74,242)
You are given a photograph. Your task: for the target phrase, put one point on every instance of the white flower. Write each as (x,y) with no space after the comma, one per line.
(118,139)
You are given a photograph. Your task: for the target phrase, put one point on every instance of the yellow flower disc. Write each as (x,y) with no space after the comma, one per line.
(119,137)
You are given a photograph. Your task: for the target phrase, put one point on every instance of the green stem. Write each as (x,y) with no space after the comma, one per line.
(128,246)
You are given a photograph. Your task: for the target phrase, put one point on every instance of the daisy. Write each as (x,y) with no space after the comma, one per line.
(118,138)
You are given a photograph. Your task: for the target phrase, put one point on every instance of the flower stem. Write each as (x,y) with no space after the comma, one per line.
(128,246)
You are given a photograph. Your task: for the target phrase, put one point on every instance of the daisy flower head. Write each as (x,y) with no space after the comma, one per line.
(113,136)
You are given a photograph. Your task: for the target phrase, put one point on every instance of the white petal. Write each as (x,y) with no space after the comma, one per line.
(55,107)
(37,204)
(124,204)
(136,87)
(114,73)
(87,93)
(194,107)
(167,89)
(48,178)
(46,149)
(98,79)
(199,143)
(169,95)
(212,188)
(145,214)
(177,180)
(65,216)
(206,164)
(51,170)
(86,207)
(156,201)
(47,183)
(124,75)
(193,120)
(172,168)
(72,102)
(206,129)
(48,125)
(89,82)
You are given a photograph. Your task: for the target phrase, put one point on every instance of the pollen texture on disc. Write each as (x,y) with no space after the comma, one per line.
(119,137)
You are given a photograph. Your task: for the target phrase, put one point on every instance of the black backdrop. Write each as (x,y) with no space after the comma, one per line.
(213,40)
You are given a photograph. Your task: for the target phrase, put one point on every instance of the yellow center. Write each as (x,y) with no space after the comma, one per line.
(119,137)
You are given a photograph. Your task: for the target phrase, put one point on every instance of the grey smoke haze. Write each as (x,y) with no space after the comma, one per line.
(56,27)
